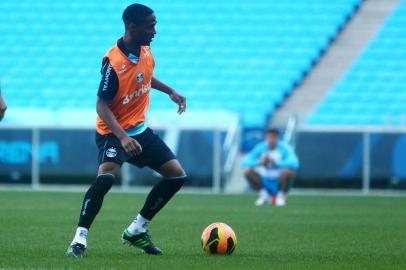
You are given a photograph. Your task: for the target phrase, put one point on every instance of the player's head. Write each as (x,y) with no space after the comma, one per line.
(272,136)
(139,22)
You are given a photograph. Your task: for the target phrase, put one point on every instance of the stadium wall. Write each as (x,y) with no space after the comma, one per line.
(357,159)
(69,156)
(343,158)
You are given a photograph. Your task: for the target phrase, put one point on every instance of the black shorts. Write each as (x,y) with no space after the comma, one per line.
(154,151)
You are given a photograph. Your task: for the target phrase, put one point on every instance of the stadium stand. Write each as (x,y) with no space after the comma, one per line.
(244,57)
(372,92)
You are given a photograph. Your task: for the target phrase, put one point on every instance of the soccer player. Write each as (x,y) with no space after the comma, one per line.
(3,105)
(122,135)
(270,168)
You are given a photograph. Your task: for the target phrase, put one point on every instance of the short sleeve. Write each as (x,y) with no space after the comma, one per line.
(108,86)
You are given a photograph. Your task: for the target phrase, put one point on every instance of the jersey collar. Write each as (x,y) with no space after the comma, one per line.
(133,58)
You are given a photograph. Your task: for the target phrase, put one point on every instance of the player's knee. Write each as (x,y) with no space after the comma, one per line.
(109,168)
(176,183)
(101,186)
(251,175)
(172,169)
(248,172)
(104,182)
(287,173)
(174,172)
(177,171)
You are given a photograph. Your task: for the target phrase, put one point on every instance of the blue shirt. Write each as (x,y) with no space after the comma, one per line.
(282,154)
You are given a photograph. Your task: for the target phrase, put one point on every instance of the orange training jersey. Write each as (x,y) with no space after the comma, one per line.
(131,101)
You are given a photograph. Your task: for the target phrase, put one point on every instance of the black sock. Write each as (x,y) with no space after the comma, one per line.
(94,199)
(160,194)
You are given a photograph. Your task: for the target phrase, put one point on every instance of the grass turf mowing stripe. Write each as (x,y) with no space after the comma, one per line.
(311,232)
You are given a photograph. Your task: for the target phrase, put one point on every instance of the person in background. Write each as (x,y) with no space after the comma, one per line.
(270,169)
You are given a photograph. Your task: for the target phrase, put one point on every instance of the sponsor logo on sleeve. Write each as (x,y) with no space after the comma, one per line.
(107,78)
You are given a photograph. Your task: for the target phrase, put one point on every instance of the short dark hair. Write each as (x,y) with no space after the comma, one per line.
(136,13)
(272,130)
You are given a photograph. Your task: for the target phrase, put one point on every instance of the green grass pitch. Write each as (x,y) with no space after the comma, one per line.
(311,232)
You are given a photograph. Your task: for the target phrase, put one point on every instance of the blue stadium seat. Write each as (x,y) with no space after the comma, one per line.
(373,91)
(208,51)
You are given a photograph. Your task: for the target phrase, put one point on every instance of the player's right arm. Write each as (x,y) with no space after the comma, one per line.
(3,106)
(290,159)
(107,90)
(253,158)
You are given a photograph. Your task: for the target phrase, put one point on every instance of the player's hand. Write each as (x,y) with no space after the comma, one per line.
(2,112)
(266,160)
(131,146)
(263,160)
(180,100)
(271,161)
(3,108)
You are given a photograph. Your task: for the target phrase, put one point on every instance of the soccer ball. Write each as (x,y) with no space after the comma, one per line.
(218,238)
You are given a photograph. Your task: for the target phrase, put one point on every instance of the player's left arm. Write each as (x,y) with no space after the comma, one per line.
(3,106)
(175,96)
(253,158)
(289,159)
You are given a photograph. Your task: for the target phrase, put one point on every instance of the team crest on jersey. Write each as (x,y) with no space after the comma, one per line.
(111,152)
(140,77)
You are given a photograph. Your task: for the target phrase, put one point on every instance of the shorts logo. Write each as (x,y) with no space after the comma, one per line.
(111,152)
(140,77)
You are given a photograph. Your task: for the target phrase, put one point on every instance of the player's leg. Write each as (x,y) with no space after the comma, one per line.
(160,158)
(111,156)
(263,193)
(173,179)
(271,185)
(285,180)
(256,181)
(136,233)
(253,178)
(91,206)
(92,203)
(94,196)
